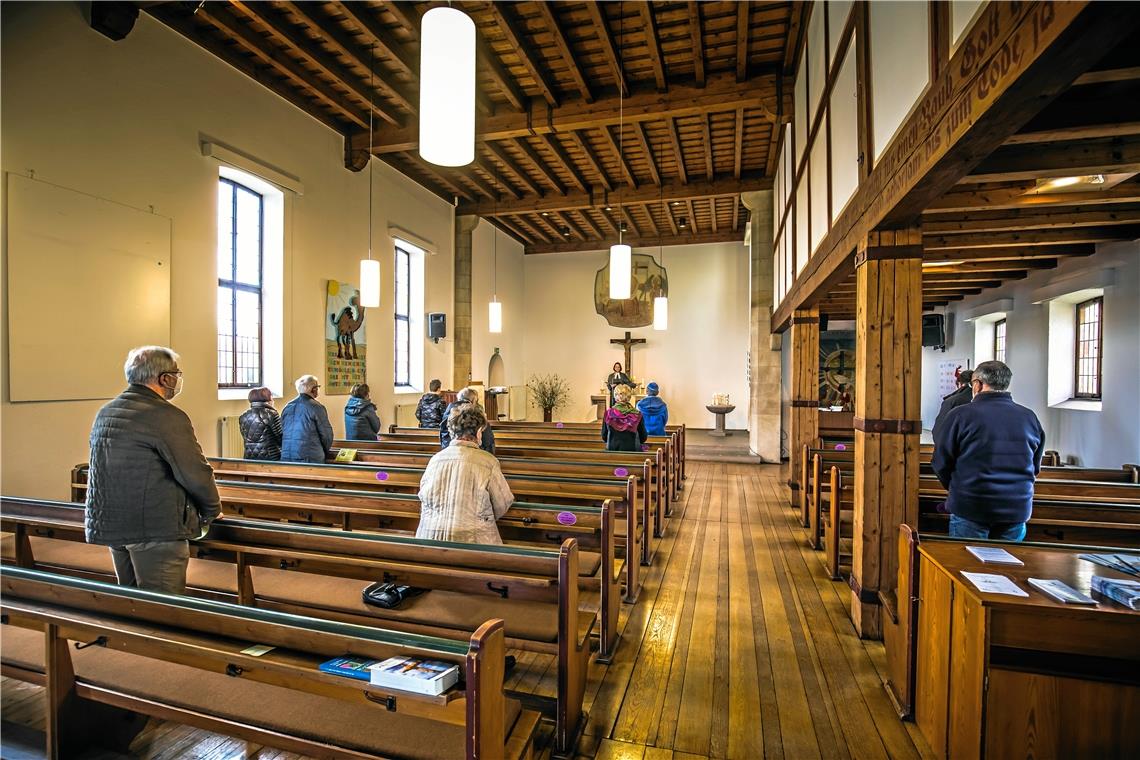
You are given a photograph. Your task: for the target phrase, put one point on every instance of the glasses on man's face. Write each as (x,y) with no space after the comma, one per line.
(177,372)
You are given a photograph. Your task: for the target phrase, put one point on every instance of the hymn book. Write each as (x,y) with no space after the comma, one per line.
(351,667)
(416,675)
(1060,591)
(993,555)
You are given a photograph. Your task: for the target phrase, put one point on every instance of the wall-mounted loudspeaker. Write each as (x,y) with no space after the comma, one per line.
(437,326)
(934,331)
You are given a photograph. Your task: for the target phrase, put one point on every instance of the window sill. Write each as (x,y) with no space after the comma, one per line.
(1079,405)
(406,390)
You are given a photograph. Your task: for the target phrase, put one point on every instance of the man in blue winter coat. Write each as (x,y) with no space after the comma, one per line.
(654,411)
(987,453)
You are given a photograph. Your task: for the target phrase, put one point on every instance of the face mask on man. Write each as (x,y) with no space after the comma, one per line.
(173,392)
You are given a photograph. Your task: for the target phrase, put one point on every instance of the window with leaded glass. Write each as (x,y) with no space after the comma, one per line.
(403,348)
(1090,324)
(241,228)
(999,341)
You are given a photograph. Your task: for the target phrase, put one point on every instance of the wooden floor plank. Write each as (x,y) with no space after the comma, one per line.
(739,647)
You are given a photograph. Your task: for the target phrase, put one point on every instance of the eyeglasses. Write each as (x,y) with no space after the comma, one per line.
(175,372)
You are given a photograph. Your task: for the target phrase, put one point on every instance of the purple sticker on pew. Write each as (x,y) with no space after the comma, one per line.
(645,447)
(381,475)
(621,472)
(841,447)
(559,425)
(567,518)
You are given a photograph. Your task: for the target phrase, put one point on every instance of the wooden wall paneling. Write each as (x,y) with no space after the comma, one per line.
(968,665)
(887,415)
(932,681)
(804,415)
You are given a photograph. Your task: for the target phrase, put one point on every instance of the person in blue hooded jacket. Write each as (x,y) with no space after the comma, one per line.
(654,411)
(361,423)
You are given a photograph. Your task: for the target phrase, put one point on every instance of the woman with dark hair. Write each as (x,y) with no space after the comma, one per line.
(261,426)
(623,428)
(463,492)
(361,423)
(616,378)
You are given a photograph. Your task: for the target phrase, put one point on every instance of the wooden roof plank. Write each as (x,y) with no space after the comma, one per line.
(591,159)
(679,155)
(537,162)
(647,149)
(637,241)
(697,38)
(520,46)
(546,10)
(597,15)
(559,152)
(653,44)
(619,154)
(742,8)
(515,170)
(1100,156)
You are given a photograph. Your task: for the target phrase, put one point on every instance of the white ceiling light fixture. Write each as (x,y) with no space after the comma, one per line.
(661,302)
(1083,183)
(495,308)
(447,87)
(370,267)
(621,255)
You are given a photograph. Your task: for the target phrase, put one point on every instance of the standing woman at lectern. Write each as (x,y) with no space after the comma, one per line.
(616,378)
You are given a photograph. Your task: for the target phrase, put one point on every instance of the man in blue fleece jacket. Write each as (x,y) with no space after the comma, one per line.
(987,453)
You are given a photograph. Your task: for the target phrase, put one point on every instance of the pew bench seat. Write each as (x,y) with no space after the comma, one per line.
(528,625)
(263,706)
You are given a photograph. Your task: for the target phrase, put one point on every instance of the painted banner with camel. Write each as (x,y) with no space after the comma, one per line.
(345,348)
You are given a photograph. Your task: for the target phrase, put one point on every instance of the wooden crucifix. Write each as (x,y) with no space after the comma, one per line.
(628,343)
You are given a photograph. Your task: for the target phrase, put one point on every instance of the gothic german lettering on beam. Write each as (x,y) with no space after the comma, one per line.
(805,397)
(888,324)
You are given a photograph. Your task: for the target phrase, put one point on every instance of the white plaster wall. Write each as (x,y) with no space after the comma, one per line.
(703,352)
(1106,438)
(510,291)
(123,120)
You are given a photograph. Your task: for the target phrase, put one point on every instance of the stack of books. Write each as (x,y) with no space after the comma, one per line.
(413,674)
(1125,592)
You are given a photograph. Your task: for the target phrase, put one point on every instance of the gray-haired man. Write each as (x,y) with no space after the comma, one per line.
(149,488)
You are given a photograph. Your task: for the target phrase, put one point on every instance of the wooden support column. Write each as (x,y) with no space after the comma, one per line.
(804,417)
(888,379)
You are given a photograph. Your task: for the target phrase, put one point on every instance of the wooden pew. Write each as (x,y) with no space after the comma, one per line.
(320,572)
(1002,676)
(647,482)
(177,658)
(584,440)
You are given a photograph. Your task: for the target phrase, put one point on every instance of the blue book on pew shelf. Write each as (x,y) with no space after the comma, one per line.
(352,667)
(1125,592)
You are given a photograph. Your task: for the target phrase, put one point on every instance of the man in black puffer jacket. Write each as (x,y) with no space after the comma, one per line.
(430,411)
(149,487)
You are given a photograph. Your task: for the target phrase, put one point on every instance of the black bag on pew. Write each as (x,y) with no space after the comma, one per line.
(389,595)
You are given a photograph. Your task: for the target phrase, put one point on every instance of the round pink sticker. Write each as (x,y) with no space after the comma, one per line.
(381,475)
(621,472)
(567,518)
(559,425)
(645,447)
(841,447)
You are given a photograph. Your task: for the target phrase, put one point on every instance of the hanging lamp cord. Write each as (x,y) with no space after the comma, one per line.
(371,109)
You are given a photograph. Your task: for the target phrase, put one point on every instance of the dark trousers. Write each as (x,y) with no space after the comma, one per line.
(153,565)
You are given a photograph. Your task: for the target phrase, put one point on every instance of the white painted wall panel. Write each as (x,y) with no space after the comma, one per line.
(837,14)
(801,115)
(818,168)
(900,64)
(817,59)
(962,15)
(844,123)
(802,244)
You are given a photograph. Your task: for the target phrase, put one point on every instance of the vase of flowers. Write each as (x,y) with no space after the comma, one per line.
(548,392)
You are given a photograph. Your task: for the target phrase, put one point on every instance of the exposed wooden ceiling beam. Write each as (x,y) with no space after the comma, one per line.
(537,162)
(652,224)
(555,147)
(739,143)
(635,241)
(496,178)
(736,213)
(484,187)
(647,149)
(668,209)
(796,27)
(406,15)
(678,154)
(697,40)
(432,171)
(742,8)
(1100,156)
(630,223)
(267,16)
(619,154)
(1125,74)
(535,229)
(997,266)
(546,10)
(514,169)
(521,47)
(504,82)
(592,159)
(1019,196)
(568,225)
(1016,253)
(1032,237)
(390,47)
(589,222)
(597,14)
(721,94)
(1024,219)
(245,37)
(511,229)
(653,44)
(183,24)
(342,42)
(667,192)
(706,133)
(1089,132)
(692,216)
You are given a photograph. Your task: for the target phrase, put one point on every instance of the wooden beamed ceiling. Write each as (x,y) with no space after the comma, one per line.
(998,223)
(590,116)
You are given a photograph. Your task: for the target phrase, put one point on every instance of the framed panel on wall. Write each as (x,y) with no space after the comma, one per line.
(900,65)
(844,126)
(818,172)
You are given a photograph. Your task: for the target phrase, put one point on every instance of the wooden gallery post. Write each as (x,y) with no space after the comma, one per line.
(888,384)
(805,393)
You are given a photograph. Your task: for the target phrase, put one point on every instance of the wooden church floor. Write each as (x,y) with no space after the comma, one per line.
(738,647)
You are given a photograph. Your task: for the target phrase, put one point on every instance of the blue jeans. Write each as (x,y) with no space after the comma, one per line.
(960,527)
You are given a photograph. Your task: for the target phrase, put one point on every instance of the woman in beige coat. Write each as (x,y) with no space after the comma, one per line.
(463,491)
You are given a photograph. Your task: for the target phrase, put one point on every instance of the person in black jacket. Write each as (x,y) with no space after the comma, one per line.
(988,454)
(149,487)
(261,426)
(961,395)
(361,423)
(623,428)
(465,396)
(430,410)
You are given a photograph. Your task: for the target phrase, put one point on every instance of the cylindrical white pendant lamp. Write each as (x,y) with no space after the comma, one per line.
(369,283)
(621,269)
(447,87)
(495,315)
(661,313)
